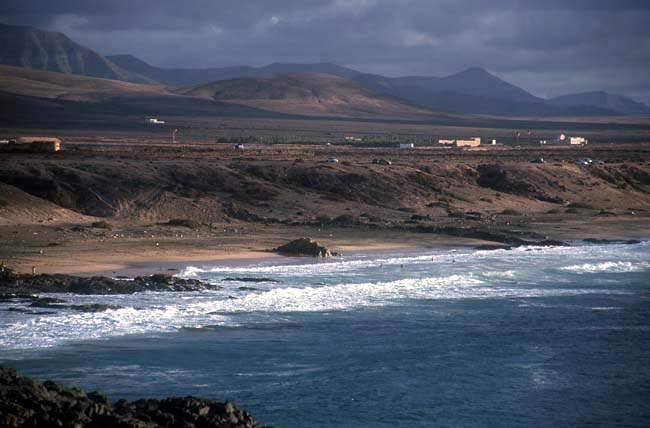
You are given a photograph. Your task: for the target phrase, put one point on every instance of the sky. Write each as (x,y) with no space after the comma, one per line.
(550,47)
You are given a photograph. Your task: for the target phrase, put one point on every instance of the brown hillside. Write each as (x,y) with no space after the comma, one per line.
(213,187)
(44,84)
(18,207)
(313,94)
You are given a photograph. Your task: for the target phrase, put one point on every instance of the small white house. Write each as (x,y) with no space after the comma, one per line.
(350,138)
(577,141)
(406,146)
(153,121)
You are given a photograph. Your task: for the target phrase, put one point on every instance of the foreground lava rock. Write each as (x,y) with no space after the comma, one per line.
(11,282)
(303,247)
(27,403)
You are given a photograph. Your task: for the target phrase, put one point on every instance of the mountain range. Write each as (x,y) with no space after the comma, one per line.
(321,88)
(288,94)
(618,103)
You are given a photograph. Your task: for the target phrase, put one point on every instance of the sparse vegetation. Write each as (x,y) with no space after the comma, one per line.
(371,218)
(581,205)
(324,220)
(102,225)
(409,210)
(511,211)
(344,220)
(184,222)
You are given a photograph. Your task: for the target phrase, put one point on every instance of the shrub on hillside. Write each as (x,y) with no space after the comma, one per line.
(102,225)
(184,222)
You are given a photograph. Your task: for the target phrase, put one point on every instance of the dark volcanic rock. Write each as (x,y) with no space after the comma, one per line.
(93,307)
(611,241)
(551,243)
(494,236)
(16,283)
(51,303)
(27,403)
(475,234)
(303,247)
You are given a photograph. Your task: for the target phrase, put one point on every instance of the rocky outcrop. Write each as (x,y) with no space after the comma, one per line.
(303,247)
(27,403)
(504,237)
(31,301)
(11,282)
(601,241)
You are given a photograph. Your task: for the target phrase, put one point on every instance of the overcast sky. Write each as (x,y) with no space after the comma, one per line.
(549,47)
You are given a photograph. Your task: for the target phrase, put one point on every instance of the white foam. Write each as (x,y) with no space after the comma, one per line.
(218,309)
(338,285)
(507,274)
(614,267)
(323,267)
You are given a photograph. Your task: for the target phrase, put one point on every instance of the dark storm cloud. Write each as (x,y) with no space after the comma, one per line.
(551,46)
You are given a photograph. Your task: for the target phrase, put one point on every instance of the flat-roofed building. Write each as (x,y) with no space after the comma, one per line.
(41,144)
(474,142)
(577,141)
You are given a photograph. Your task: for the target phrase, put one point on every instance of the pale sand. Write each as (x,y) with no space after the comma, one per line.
(126,256)
(29,246)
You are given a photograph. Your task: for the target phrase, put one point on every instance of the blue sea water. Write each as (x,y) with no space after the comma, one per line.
(530,337)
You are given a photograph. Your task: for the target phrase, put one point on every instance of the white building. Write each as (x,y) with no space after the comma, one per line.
(577,141)
(350,138)
(153,121)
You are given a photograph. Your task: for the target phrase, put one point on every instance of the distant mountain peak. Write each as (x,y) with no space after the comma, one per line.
(37,49)
(476,71)
(617,103)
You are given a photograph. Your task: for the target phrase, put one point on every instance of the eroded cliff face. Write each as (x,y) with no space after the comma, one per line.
(205,188)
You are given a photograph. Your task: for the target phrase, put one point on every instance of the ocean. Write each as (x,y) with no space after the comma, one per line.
(529,337)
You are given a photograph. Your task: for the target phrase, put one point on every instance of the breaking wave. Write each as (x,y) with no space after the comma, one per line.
(614,267)
(331,285)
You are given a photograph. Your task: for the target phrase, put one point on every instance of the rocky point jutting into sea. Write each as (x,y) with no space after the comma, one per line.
(26,403)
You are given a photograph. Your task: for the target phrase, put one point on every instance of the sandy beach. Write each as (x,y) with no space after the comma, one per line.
(24,247)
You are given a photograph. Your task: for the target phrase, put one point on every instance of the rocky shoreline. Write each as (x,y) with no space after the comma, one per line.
(15,283)
(24,289)
(25,402)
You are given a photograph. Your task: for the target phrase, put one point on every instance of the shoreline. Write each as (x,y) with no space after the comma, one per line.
(142,256)
(248,259)
(42,247)
(173,267)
